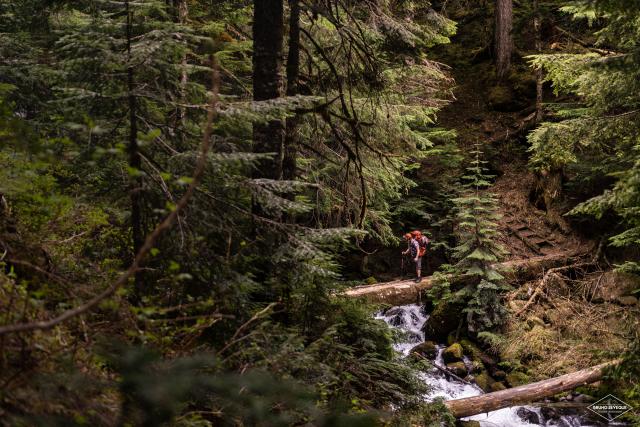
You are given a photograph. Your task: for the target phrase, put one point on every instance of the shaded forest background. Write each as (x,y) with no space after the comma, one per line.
(187,186)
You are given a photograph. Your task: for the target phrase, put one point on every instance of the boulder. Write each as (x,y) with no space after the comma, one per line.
(484,381)
(515,379)
(453,353)
(613,285)
(443,320)
(499,375)
(474,352)
(458,368)
(476,366)
(497,386)
(427,349)
(584,398)
(528,415)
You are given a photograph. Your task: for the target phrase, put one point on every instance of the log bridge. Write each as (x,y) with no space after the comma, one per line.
(407,291)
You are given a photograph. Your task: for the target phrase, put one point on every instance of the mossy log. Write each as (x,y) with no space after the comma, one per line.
(407,291)
(526,393)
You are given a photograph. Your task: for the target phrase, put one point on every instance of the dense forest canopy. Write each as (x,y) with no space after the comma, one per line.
(192,192)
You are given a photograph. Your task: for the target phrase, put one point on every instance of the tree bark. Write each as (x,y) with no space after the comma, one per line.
(268,40)
(135,160)
(293,75)
(182,13)
(538,71)
(527,393)
(503,41)
(551,183)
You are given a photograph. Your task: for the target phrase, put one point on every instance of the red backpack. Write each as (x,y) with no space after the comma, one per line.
(423,241)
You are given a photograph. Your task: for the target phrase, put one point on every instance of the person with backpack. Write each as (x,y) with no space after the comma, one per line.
(417,248)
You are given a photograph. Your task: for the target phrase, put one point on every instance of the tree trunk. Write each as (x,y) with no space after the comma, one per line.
(293,75)
(503,42)
(182,12)
(525,394)
(551,182)
(135,160)
(538,71)
(268,39)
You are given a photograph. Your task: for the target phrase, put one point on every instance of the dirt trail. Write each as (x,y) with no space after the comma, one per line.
(525,229)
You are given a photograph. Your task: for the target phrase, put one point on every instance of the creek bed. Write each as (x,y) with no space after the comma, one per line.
(410,319)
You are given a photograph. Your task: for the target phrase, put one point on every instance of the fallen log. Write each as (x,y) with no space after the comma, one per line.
(408,292)
(524,394)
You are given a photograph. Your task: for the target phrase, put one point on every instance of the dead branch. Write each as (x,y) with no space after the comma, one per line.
(545,281)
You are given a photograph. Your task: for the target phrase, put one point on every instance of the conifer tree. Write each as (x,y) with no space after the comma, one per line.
(478,249)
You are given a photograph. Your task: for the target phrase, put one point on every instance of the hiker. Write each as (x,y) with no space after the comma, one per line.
(414,249)
(417,247)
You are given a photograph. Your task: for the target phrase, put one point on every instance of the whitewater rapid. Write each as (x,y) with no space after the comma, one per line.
(409,319)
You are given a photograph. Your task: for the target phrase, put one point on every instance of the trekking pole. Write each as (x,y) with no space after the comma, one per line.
(402,269)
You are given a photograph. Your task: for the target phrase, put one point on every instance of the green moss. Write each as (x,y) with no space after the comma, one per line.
(497,386)
(470,349)
(427,349)
(453,353)
(458,368)
(517,378)
(484,381)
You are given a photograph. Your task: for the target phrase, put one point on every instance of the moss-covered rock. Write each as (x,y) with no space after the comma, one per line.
(476,366)
(458,368)
(514,379)
(461,423)
(499,375)
(484,381)
(474,353)
(427,349)
(497,386)
(453,353)
(470,349)
(509,365)
(443,320)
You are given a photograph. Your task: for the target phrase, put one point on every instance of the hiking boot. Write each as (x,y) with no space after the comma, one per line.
(418,279)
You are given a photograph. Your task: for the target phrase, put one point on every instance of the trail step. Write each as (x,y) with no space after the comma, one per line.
(542,242)
(528,233)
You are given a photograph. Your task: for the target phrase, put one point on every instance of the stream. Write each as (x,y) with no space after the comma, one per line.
(410,319)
